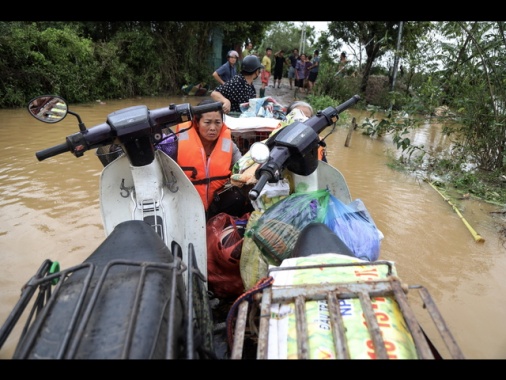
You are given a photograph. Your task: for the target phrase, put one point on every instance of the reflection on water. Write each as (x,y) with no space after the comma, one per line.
(50,209)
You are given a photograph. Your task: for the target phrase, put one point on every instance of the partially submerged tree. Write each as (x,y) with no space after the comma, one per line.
(472,82)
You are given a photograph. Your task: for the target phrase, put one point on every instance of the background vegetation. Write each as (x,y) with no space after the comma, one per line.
(452,73)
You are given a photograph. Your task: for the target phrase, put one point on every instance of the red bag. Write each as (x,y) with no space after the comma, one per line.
(225,235)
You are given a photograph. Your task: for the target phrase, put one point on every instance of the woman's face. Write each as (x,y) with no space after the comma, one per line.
(210,125)
(232,60)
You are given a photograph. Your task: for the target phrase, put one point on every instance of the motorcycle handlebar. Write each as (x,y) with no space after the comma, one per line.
(329,115)
(105,133)
(289,146)
(255,191)
(204,108)
(53,151)
(347,104)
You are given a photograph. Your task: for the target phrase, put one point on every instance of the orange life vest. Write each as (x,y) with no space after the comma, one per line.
(208,174)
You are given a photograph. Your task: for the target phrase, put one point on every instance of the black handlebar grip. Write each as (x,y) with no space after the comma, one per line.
(347,104)
(53,151)
(255,191)
(210,107)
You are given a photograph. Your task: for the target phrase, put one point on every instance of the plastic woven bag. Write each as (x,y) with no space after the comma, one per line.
(355,228)
(278,228)
(252,265)
(225,235)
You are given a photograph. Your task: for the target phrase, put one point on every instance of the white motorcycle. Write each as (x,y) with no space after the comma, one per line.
(143,293)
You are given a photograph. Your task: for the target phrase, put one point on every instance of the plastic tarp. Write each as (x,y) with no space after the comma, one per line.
(251,124)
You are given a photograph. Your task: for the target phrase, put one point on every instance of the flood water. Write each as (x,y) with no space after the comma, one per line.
(50,210)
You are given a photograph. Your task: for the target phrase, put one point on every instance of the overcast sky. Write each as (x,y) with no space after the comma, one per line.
(319,25)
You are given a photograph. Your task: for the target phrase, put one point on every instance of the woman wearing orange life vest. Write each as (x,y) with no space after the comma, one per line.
(205,151)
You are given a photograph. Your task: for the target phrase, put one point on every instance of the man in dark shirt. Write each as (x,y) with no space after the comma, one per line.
(293,61)
(279,62)
(240,88)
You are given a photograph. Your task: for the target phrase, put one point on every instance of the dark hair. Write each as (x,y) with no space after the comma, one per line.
(208,101)
(317,52)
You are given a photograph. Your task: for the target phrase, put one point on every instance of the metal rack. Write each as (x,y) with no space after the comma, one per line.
(332,293)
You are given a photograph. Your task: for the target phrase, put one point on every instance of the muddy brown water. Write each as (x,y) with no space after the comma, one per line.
(50,210)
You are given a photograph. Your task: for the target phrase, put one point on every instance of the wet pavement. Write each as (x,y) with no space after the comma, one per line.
(283,95)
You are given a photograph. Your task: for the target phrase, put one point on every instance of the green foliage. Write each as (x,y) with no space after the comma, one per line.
(330,84)
(396,123)
(464,71)
(489,186)
(68,63)
(319,103)
(138,53)
(48,61)
(84,61)
(470,81)
(287,36)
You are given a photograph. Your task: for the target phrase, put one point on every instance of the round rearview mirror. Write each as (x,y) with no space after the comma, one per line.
(259,152)
(48,108)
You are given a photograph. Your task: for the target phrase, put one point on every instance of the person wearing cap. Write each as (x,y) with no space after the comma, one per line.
(240,88)
(227,71)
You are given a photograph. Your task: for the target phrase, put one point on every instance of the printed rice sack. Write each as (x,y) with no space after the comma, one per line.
(282,329)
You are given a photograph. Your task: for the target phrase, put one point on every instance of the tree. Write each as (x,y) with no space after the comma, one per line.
(377,38)
(472,82)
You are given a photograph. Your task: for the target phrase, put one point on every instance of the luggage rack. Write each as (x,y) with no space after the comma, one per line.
(67,345)
(332,293)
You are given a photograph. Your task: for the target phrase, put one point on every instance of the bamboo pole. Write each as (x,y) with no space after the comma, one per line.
(476,236)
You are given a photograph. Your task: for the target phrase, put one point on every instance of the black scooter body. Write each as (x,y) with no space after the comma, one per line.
(318,238)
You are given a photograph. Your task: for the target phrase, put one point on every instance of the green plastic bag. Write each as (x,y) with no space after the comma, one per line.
(278,228)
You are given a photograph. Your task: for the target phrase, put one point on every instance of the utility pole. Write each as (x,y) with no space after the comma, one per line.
(396,62)
(302,44)
(396,59)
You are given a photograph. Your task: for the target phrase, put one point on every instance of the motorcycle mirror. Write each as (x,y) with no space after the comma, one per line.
(48,108)
(259,152)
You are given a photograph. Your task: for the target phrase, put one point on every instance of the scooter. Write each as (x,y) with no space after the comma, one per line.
(143,293)
(130,297)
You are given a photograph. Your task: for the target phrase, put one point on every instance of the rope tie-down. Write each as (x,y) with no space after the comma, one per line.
(247,296)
